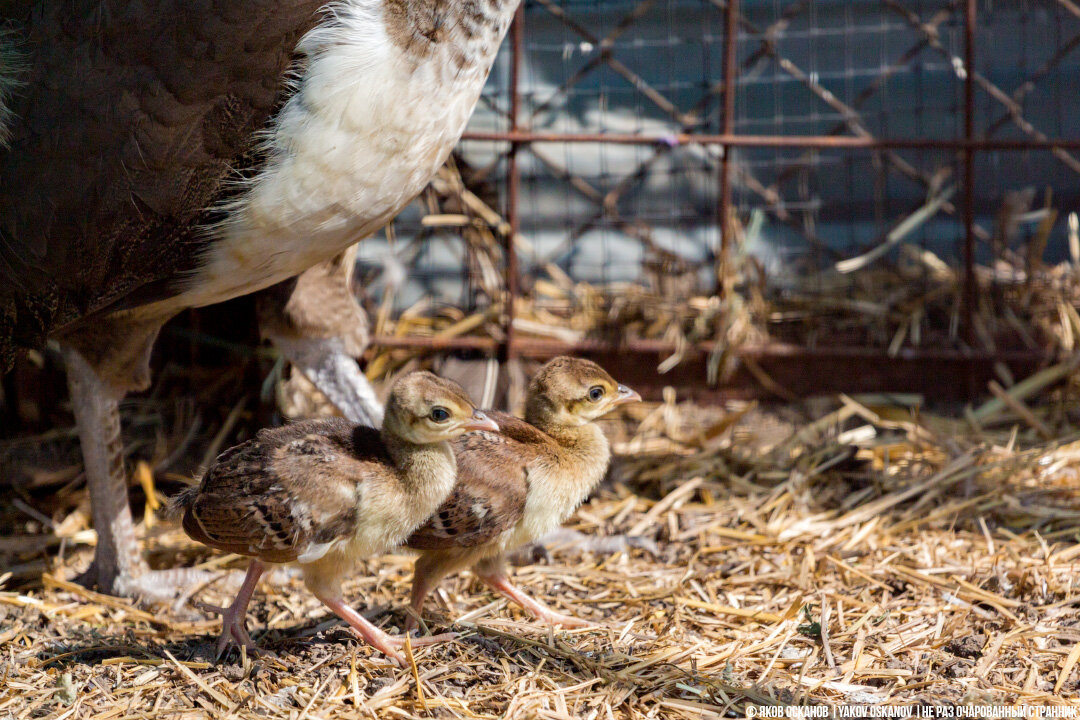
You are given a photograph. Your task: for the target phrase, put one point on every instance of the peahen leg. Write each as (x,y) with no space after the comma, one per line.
(316,322)
(118,567)
(326,364)
(117,560)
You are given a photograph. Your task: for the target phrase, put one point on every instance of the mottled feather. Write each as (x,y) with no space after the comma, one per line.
(493,483)
(288,493)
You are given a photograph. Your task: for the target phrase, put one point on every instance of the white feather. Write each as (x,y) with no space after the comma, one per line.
(366,129)
(314,552)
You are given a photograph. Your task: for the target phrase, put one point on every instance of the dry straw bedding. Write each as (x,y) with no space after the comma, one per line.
(871,556)
(856,553)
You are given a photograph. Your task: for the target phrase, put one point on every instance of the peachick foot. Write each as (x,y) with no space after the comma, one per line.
(233,629)
(373,636)
(502,585)
(233,618)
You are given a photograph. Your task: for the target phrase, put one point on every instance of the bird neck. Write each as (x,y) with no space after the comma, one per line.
(566,477)
(427,469)
(584,445)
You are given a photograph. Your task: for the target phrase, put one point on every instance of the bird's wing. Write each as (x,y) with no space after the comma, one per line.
(129,118)
(288,495)
(492,485)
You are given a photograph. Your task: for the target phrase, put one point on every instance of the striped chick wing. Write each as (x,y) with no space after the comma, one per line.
(492,484)
(289,494)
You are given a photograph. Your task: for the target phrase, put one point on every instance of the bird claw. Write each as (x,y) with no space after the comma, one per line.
(389,645)
(384,644)
(208,608)
(567,622)
(233,631)
(426,639)
(236,633)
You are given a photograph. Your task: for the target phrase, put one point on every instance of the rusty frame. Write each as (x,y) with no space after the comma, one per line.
(950,373)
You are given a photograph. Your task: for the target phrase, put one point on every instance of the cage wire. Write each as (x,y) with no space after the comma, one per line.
(830,245)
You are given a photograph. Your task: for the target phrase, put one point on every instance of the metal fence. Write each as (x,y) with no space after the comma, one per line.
(618,135)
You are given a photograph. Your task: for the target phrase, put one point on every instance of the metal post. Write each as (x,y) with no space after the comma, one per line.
(969,296)
(731,37)
(513,189)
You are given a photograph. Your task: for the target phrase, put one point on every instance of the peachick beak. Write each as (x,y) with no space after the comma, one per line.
(626,395)
(480,421)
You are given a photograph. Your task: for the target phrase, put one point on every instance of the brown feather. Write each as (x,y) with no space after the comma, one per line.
(319,303)
(130,116)
(279,496)
(493,483)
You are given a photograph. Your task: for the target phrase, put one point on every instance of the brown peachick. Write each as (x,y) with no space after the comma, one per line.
(324,493)
(521,484)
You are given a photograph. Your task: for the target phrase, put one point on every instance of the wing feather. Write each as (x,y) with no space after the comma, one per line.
(128,120)
(493,482)
(290,494)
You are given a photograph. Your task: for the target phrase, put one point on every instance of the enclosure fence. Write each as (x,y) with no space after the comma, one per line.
(834,139)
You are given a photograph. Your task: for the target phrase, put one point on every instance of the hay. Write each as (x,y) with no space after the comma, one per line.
(897,295)
(864,552)
(856,550)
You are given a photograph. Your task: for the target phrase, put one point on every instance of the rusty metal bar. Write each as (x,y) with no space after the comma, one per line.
(731,39)
(823,142)
(968,304)
(538,348)
(513,189)
(812,374)
(802,371)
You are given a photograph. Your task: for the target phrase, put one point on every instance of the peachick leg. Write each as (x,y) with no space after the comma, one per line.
(375,637)
(420,588)
(501,584)
(233,618)
(427,572)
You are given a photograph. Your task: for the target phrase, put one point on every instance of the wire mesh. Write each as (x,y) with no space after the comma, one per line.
(621,164)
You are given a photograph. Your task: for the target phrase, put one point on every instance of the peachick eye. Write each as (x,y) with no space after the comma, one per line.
(440,414)
(596,392)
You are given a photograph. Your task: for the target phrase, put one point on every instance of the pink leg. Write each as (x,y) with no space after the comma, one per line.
(233,617)
(427,572)
(501,584)
(421,586)
(375,637)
